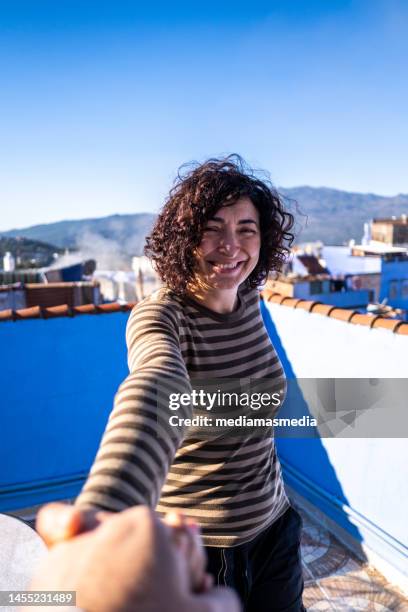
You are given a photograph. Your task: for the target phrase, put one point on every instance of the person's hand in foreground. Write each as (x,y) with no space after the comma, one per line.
(129,562)
(57,522)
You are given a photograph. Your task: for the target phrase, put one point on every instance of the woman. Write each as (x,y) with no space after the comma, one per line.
(219,234)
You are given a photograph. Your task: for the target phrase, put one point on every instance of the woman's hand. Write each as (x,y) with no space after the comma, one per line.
(187,537)
(57,522)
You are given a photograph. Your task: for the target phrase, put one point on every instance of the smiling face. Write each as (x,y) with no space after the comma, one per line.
(229,248)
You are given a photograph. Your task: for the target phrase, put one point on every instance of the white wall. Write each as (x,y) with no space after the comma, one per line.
(323,347)
(372,472)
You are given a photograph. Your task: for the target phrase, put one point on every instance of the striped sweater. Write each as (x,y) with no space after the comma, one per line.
(232,485)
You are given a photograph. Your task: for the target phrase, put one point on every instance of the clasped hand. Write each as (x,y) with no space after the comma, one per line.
(118,562)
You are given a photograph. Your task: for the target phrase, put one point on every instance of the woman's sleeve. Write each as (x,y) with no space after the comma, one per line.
(139,445)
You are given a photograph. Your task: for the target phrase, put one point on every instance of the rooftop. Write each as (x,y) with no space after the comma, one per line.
(342,314)
(293,278)
(403,220)
(335,578)
(312,264)
(40,312)
(376,248)
(348,478)
(339,260)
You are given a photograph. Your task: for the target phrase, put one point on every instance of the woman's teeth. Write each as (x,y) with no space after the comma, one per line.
(224,266)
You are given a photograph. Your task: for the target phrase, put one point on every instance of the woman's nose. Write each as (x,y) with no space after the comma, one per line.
(228,243)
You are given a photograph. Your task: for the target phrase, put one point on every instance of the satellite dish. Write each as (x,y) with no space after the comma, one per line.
(20,552)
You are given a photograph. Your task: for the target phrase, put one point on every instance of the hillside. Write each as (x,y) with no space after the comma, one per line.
(127,230)
(28,253)
(325,214)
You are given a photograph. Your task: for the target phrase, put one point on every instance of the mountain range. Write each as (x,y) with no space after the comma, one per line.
(329,215)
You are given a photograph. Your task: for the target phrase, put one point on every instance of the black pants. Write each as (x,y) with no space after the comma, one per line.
(266,572)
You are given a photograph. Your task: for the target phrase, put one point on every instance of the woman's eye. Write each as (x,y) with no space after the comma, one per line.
(247,231)
(211,229)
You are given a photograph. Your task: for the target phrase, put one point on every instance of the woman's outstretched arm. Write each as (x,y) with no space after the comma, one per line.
(138,445)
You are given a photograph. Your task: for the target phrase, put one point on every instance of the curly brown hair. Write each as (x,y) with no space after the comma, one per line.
(199,191)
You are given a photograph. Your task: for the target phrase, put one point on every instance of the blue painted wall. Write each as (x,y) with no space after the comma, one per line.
(395,272)
(343,299)
(58,378)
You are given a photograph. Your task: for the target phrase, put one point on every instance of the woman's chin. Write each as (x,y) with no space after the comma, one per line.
(224,283)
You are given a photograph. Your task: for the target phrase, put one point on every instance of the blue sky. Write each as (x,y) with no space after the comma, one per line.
(102,101)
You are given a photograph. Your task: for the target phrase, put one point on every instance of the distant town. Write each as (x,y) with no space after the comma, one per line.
(369,276)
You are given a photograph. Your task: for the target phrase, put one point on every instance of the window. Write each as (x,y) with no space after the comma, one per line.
(315,287)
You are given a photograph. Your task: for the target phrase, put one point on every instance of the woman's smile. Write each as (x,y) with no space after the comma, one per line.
(228,251)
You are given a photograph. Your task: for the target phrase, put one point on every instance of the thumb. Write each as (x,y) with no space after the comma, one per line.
(56,522)
(218,599)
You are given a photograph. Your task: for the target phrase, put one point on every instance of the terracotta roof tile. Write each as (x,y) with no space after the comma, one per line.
(323,309)
(34,312)
(402,329)
(267,294)
(89,309)
(342,314)
(362,319)
(290,301)
(50,312)
(277,298)
(6,315)
(306,305)
(384,323)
